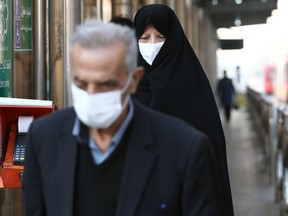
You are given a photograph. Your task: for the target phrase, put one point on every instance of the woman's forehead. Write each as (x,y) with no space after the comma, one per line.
(150,28)
(161,16)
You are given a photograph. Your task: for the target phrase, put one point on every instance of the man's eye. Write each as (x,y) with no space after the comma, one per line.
(107,86)
(80,85)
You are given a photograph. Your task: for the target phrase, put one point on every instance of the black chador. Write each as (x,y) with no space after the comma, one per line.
(176,84)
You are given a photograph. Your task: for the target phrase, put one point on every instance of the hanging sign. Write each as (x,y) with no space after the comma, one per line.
(23,25)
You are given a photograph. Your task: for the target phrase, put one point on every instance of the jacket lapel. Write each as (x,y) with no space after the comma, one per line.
(138,164)
(67,150)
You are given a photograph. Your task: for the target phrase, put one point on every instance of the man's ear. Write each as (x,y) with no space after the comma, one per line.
(137,76)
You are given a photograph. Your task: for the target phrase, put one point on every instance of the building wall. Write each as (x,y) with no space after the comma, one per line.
(61,17)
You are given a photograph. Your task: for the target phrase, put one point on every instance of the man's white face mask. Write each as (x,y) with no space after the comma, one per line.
(149,51)
(99,110)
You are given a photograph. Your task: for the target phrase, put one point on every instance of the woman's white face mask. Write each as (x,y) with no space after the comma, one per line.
(149,51)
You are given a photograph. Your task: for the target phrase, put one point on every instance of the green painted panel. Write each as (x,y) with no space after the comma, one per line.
(6,48)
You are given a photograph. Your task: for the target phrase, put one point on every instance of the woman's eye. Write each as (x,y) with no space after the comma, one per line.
(144,38)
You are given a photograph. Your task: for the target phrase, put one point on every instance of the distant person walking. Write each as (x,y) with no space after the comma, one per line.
(226,93)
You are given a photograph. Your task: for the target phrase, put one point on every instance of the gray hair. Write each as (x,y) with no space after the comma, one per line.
(97,34)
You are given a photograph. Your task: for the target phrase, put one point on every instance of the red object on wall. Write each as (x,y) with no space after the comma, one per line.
(10,173)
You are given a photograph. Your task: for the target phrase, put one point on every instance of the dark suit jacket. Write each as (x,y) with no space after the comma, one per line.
(167,169)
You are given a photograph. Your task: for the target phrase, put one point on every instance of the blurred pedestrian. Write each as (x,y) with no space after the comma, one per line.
(226,93)
(175,83)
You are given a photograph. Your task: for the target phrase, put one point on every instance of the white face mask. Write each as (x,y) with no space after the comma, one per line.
(149,51)
(99,110)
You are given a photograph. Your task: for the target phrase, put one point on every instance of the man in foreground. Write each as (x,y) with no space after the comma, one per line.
(108,155)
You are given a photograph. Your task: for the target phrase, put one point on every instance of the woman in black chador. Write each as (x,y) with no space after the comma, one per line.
(175,83)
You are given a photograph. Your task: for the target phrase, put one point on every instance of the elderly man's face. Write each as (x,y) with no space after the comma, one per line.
(102,70)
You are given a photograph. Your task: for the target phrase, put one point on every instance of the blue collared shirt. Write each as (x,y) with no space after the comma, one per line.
(99,156)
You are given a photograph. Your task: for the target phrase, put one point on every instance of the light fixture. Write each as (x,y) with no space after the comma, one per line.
(237,21)
(214,2)
(238,1)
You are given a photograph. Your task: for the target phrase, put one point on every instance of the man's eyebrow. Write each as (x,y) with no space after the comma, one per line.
(109,82)
(76,78)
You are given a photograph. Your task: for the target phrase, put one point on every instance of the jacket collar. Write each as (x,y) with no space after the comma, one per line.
(67,150)
(138,164)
